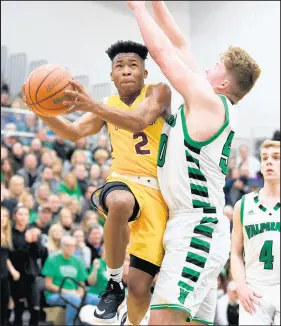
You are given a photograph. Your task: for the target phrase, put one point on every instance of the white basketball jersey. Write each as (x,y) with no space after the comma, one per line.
(261,230)
(192,174)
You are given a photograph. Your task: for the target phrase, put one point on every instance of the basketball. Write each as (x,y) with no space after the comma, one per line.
(44,90)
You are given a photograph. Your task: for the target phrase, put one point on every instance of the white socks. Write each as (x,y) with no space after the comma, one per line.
(115,274)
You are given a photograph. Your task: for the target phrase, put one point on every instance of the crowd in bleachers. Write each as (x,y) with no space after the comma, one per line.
(47,214)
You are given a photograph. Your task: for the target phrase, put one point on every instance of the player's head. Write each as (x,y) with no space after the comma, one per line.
(270,160)
(235,74)
(128,68)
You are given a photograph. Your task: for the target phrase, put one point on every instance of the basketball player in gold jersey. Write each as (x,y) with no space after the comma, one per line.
(131,193)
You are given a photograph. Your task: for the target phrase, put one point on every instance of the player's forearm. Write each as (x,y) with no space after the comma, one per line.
(165,20)
(62,127)
(238,268)
(155,39)
(131,121)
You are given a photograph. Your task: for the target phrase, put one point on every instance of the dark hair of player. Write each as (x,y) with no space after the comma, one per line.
(127,47)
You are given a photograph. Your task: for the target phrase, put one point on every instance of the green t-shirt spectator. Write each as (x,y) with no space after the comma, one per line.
(102,278)
(57,267)
(74,193)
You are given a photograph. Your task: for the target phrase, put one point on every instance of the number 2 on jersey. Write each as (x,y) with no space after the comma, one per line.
(266,256)
(142,143)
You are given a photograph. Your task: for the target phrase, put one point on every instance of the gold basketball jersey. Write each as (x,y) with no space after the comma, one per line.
(134,153)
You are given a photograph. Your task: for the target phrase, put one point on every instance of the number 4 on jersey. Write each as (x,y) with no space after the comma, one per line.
(266,256)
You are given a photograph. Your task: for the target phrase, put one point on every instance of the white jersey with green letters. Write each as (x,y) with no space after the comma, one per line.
(261,231)
(192,174)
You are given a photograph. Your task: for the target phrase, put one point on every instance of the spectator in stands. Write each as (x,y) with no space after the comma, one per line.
(27,249)
(74,206)
(5,101)
(9,139)
(61,147)
(4,152)
(55,235)
(101,156)
(31,123)
(16,186)
(86,203)
(247,162)
(70,186)
(46,159)
(82,251)
(29,172)
(95,240)
(46,176)
(98,276)
(66,220)
(95,173)
(81,174)
(26,199)
(81,144)
(43,222)
(6,171)
(79,157)
(36,148)
(102,143)
(276,135)
(42,194)
(105,172)
(56,268)
(6,265)
(17,156)
(55,205)
(90,218)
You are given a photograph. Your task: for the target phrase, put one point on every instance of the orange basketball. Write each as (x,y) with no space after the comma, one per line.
(44,90)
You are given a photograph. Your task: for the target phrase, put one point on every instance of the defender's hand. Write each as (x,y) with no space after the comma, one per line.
(135,4)
(79,99)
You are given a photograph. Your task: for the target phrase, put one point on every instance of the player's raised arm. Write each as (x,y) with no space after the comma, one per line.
(246,295)
(157,103)
(195,89)
(167,23)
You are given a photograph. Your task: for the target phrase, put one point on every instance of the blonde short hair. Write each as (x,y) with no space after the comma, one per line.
(244,69)
(269,143)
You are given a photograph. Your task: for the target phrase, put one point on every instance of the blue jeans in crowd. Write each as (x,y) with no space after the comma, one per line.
(56,300)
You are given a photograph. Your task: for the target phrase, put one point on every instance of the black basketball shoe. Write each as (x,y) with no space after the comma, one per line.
(111,299)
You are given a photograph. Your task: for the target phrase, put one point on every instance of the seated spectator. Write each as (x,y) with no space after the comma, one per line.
(102,143)
(29,172)
(43,221)
(98,276)
(42,194)
(95,173)
(4,152)
(17,156)
(18,102)
(95,240)
(81,144)
(70,186)
(66,220)
(27,249)
(46,159)
(55,205)
(6,170)
(82,251)
(16,186)
(57,169)
(61,147)
(31,123)
(36,148)
(247,162)
(26,199)
(81,174)
(79,157)
(46,176)
(62,265)
(6,265)
(55,235)
(105,172)
(86,203)
(5,101)
(101,156)
(74,206)
(90,218)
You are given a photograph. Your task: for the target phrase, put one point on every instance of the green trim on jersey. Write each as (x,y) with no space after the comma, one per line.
(198,144)
(242,209)
(263,208)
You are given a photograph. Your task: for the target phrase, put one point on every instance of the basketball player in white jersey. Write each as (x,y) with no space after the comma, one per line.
(255,254)
(192,164)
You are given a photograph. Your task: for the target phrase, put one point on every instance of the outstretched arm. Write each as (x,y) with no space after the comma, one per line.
(157,103)
(195,89)
(167,23)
